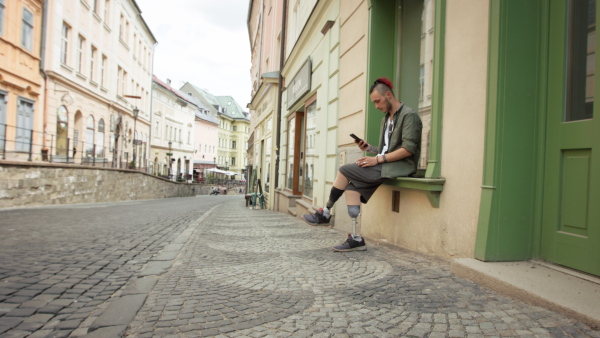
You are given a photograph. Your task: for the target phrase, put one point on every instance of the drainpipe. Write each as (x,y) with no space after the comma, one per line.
(42,66)
(280,94)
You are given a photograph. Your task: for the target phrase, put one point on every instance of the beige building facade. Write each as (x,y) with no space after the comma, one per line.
(507,169)
(316,122)
(310,124)
(265,29)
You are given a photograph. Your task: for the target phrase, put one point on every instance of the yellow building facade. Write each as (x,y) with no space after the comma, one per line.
(21,90)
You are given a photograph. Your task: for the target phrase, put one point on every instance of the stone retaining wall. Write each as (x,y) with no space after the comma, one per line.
(33,184)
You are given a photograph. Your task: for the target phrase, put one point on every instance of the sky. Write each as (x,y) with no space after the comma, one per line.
(203,42)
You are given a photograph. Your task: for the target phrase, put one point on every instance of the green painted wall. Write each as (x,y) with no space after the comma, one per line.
(509,202)
(381,60)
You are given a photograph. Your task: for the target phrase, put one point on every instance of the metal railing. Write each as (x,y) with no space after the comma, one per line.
(23,144)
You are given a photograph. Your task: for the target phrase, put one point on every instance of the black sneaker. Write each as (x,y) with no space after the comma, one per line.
(351,245)
(316,218)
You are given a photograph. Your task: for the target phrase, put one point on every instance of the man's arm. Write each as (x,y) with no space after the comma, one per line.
(396,155)
(364,146)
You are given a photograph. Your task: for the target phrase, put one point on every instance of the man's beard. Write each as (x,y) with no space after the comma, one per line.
(388,106)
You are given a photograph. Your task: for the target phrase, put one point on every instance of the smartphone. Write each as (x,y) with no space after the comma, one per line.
(356,138)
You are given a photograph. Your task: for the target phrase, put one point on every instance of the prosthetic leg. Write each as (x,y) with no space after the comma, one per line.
(354,242)
(354,212)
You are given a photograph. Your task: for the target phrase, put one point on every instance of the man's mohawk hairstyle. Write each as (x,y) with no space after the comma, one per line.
(386,82)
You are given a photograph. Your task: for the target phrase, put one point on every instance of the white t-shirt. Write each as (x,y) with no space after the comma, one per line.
(389,128)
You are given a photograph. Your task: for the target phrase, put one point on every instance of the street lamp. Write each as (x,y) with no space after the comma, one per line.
(136,111)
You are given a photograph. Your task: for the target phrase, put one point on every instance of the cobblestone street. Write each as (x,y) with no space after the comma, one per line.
(208,266)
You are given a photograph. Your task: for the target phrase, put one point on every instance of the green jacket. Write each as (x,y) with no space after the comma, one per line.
(406,134)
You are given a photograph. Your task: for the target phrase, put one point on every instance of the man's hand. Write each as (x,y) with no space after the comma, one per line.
(363,145)
(366,161)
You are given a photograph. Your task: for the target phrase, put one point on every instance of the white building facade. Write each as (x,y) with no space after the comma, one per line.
(98,63)
(173,116)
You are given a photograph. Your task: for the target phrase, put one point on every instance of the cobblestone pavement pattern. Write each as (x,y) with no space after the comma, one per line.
(255,273)
(238,273)
(60,266)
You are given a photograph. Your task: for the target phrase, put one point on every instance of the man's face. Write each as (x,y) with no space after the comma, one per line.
(381,102)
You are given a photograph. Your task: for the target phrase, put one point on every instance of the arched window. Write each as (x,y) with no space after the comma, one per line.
(89,137)
(62,127)
(100,145)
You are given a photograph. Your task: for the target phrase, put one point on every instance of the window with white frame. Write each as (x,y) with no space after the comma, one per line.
(106,12)
(119,80)
(103,70)
(89,137)
(24,124)
(2,14)
(100,145)
(124,86)
(3,98)
(126,33)
(93,53)
(80,53)
(64,44)
(27,30)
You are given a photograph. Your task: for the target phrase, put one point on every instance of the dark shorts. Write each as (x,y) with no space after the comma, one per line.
(364,180)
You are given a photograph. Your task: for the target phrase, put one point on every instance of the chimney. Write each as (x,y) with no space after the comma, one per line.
(169,82)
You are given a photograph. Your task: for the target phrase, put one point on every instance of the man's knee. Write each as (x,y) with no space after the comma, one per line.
(353,211)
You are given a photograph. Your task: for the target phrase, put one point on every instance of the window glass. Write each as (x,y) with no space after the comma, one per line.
(267,170)
(423,52)
(2,11)
(581,59)
(27,33)
(100,144)
(62,123)
(89,137)
(92,61)
(24,124)
(310,149)
(290,162)
(80,45)
(2,117)
(64,47)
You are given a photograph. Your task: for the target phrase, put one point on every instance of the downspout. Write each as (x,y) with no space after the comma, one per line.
(42,66)
(280,94)
(151,100)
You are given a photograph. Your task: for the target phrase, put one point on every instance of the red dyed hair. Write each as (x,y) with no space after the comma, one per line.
(386,82)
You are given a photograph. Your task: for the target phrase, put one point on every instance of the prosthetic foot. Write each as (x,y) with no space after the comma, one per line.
(354,242)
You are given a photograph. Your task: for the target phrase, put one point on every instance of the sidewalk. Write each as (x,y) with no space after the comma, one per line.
(566,291)
(253,273)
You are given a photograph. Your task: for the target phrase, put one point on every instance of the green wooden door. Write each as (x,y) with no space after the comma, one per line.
(571,206)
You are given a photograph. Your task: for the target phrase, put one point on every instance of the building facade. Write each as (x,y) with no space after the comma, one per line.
(173,118)
(311,116)
(233,129)
(506,93)
(206,131)
(98,61)
(265,28)
(22,116)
